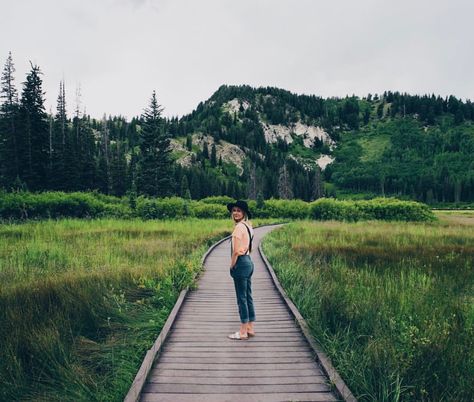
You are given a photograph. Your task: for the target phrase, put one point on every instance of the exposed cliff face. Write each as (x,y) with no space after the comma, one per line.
(229,153)
(308,133)
(324,160)
(241,111)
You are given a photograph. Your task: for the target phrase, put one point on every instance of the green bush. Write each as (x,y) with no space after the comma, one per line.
(392,209)
(327,209)
(25,205)
(161,208)
(218,199)
(377,208)
(199,209)
(288,209)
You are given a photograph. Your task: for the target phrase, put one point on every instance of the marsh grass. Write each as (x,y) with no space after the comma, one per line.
(82,300)
(391,303)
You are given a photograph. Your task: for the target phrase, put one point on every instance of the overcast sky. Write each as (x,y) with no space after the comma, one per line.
(119,51)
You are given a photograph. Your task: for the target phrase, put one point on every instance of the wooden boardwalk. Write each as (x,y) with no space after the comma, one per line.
(197,362)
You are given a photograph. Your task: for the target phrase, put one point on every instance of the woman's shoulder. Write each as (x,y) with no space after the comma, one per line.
(245,223)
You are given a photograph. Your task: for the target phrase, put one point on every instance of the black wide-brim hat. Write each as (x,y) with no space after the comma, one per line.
(240,204)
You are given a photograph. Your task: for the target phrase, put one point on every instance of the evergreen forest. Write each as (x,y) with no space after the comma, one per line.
(242,142)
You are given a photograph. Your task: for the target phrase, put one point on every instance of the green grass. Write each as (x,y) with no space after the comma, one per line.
(82,300)
(391,303)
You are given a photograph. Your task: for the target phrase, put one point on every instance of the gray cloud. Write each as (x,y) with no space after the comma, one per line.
(120,50)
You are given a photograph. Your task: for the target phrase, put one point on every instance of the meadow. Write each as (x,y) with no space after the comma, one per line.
(82,300)
(391,303)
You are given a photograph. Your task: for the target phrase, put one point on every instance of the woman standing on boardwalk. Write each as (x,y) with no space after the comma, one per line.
(241,267)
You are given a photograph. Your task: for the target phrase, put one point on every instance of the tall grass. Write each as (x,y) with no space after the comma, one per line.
(391,303)
(82,301)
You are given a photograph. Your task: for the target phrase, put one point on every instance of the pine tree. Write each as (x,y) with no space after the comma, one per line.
(213,155)
(118,171)
(34,156)
(104,162)
(184,191)
(260,200)
(252,182)
(58,179)
(317,184)
(205,151)
(155,166)
(189,142)
(88,151)
(194,185)
(284,184)
(9,146)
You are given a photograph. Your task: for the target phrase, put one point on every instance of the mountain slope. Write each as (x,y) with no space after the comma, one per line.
(412,146)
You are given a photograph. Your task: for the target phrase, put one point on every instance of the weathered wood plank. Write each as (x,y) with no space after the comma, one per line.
(249,373)
(234,388)
(248,360)
(177,397)
(262,349)
(232,353)
(311,379)
(267,367)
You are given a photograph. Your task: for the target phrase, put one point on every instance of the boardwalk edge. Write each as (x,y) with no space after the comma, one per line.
(341,388)
(137,385)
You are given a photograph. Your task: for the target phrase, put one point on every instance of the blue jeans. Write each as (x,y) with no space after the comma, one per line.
(242,275)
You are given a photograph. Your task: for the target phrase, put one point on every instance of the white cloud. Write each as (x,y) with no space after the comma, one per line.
(121,50)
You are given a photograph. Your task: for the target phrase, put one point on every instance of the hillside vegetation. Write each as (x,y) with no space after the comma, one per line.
(242,142)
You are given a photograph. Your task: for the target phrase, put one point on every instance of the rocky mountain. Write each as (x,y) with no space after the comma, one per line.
(303,145)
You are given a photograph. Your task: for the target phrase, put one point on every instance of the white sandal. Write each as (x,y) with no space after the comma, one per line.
(236,335)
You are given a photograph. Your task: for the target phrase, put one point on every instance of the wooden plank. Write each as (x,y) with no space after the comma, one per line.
(262,349)
(177,397)
(230,343)
(241,389)
(223,331)
(236,366)
(311,379)
(223,334)
(232,353)
(249,373)
(235,359)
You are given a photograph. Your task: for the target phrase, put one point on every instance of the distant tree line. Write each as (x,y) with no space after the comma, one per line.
(428,156)
(51,151)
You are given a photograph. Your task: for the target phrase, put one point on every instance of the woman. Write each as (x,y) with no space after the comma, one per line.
(241,267)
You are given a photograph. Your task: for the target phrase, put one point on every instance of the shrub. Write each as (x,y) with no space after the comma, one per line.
(328,208)
(377,208)
(199,209)
(161,208)
(218,199)
(26,205)
(288,209)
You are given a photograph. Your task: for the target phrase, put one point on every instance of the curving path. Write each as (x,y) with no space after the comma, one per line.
(199,363)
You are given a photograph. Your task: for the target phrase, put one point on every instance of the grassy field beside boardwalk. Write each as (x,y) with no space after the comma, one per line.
(82,300)
(391,303)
